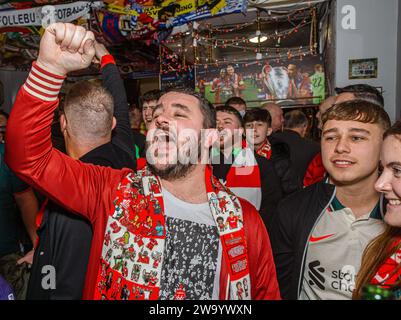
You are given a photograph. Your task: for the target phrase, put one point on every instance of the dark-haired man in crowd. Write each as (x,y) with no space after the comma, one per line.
(238,104)
(360,91)
(149,101)
(302,150)
(280,152)
(65,238)
(136,118)
(154,227)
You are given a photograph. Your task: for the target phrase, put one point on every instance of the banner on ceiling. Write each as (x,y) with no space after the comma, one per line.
(43,15)
(176,13)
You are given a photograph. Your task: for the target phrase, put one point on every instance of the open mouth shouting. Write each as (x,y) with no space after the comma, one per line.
(163,144)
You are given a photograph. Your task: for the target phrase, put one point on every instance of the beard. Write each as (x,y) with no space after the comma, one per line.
(178,169)
(171,172)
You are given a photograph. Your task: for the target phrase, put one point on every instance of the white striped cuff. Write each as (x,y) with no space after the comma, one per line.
(43,84)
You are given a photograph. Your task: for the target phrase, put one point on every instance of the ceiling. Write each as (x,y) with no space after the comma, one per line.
(274,17)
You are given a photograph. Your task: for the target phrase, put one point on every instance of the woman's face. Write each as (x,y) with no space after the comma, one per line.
(389,182)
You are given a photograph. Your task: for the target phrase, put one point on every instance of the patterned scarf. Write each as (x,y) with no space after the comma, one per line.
(243,178)
(386,275)
(265,150)
(133,248)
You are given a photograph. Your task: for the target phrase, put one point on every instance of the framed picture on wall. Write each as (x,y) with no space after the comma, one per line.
(363,68)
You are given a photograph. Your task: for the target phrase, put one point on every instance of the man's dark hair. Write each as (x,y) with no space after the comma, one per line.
(235,100)
(258,114)
(152,95)
(295,119)
(231,110)
(363,92)
(207,109)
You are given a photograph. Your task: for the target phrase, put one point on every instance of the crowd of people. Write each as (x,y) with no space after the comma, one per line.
(215,202)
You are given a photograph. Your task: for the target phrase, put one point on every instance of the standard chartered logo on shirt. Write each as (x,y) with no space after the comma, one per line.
(344,279)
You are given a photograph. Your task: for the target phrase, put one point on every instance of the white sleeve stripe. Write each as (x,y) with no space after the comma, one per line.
(42,89)
(46,84)
(44,76)
(37,95)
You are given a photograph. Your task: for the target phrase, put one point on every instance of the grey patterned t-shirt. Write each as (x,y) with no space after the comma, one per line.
(192,251)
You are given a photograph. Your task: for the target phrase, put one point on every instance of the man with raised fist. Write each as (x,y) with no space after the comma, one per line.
(176,198)
(65,238)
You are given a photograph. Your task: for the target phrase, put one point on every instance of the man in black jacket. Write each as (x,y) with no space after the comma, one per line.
(277,152)
(319,234)
(86,123)
(302,150)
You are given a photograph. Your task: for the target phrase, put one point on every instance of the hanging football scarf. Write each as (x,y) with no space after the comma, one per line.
(265,150)
(133,249)
(175,13)
(110,24)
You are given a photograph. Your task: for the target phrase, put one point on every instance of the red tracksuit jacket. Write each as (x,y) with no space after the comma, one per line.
(89,190)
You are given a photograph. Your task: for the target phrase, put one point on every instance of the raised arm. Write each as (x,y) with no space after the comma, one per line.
(79,187)
(122,134)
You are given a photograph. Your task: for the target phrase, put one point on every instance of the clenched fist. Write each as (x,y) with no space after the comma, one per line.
(65,47)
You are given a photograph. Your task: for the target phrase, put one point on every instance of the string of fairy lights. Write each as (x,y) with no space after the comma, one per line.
(209,38)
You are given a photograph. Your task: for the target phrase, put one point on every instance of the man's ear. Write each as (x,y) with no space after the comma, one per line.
(269,131)
(63,124)
(305,131)
(113,124)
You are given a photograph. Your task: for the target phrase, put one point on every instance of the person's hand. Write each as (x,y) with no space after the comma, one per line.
(65,47)
(28,258)
(100,50)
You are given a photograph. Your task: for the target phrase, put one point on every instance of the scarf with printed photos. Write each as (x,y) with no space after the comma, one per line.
(265,150)
(132,255)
